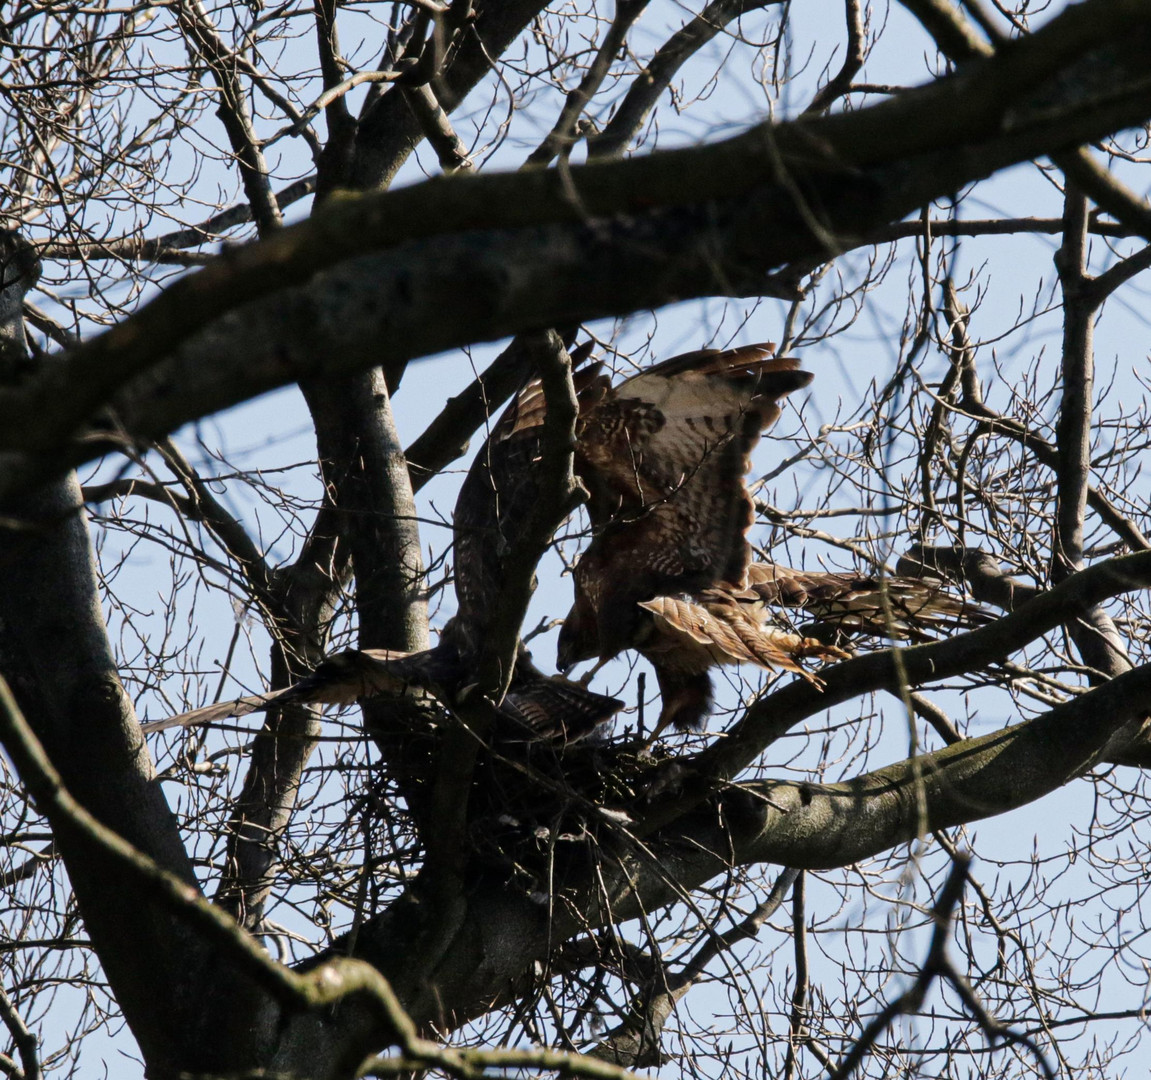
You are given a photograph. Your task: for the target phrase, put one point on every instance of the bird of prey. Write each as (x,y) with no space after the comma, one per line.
(668,571)
(499,491)
(536,706)
(663,456)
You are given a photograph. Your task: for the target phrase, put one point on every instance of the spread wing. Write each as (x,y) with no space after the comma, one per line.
(854,603)
(664,456)
(340,680)
(537,706)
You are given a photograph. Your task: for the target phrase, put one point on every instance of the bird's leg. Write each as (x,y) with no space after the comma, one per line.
(591,673)
(661,725)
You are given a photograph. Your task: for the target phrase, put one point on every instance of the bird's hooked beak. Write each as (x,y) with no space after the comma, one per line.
(578,639)
(564,660)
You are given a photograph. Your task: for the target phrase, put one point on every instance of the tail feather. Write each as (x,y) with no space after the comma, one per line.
(686,699)
(729,635)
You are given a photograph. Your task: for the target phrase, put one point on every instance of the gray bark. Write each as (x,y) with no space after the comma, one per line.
(702,221)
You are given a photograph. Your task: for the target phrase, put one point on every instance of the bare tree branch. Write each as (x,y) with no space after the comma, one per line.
(563,133)
(27,1044)
(912,131)
(854,55)
(234,114)
(654,80)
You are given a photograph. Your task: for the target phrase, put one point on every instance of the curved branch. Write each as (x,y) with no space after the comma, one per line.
(559,494)
(447,437)
(676,223)
(824,825)
(388,131)
(233,112)
(563,134)
(645,91)
(853,59)
(773,715)
(27,1044)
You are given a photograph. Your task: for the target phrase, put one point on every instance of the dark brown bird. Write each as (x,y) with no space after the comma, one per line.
(663,456)
(669,571)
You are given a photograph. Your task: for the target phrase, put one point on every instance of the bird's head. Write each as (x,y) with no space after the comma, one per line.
(579,636)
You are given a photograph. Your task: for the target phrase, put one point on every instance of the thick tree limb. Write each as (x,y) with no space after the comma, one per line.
(27,1044)
(368,522)
(674,224)
(1094,632)
(959,42)
(388,131)
(819,826)
(559,494)
(955,36)
(359,987)
(1073,428)
(451,152)
(55,654)
(491,654)
(776,713)
(711,219)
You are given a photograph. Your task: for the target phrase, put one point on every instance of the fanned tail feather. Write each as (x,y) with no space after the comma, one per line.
(730,637)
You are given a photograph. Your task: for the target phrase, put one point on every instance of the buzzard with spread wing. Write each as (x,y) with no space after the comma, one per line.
(669,572)
(663,456)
